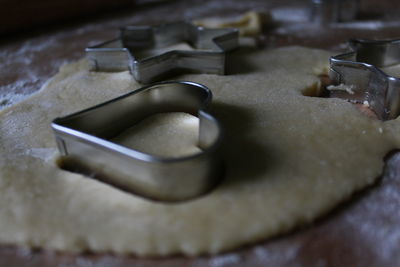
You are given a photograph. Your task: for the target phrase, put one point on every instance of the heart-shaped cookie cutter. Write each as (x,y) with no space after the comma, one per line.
(85,138)
(360,71)
(210,47)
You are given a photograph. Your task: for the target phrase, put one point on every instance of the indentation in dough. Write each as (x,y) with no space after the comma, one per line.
(323,88)
(318,88)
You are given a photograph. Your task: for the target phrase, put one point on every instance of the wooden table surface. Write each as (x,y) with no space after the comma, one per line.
(364,231)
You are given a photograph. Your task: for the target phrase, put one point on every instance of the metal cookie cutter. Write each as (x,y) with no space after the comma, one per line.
(85,138)
(122,54)
(333,11)
(366,83)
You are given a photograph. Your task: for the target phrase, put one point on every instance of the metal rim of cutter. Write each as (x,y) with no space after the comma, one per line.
(208,57)
(360,69)
(85,137)
(333,11)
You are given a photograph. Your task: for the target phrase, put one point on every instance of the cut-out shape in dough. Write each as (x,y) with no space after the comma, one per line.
(326,88)
(322,88)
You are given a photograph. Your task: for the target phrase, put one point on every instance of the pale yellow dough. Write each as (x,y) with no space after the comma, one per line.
(248,24)
(289,159)
(172,134)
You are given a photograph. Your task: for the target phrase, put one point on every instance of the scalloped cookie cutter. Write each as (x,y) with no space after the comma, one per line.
(359,71)
(208,56)
(85,138)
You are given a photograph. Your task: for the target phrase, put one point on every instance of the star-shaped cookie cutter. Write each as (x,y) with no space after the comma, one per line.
(208,56)
(359,72)
(85,139)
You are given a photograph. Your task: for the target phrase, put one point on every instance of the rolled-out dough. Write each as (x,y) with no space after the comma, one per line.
(289,158)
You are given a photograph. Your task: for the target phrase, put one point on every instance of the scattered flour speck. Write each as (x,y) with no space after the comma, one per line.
(11,98)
